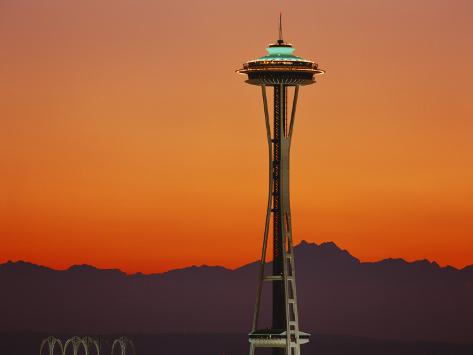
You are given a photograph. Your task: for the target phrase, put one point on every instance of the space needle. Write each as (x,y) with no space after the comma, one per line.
(280,72)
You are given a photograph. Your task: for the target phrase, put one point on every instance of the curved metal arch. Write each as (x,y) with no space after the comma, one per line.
(92,343)
(123,341)
(43,343)
(51,341)
(76,343)
(58,341)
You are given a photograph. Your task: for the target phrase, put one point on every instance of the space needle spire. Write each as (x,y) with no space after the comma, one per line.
(280,40)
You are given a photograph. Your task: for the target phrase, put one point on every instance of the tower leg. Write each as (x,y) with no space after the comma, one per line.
(268,212)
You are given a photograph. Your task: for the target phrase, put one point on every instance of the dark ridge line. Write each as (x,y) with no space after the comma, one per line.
(303,244)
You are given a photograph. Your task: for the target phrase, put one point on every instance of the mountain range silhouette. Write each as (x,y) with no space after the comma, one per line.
(338,294)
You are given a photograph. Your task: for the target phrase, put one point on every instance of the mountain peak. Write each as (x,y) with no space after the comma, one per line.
(22,266)
(324,252)
(90,269)
(82,267)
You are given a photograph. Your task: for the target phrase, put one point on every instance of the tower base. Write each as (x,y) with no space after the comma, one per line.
(276,338)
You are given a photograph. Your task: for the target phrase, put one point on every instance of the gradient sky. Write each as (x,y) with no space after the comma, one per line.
(127,140)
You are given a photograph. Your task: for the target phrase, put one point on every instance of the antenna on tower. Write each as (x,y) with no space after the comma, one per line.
(280,40)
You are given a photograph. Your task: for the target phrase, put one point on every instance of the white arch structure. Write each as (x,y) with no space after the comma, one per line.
(76,343)
(92,343)
(51,341)
(88,343)
(123,342)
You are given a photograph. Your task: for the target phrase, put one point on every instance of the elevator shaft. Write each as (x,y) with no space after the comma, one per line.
(278,211)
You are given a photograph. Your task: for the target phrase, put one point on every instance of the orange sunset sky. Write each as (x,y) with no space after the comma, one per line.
(127,140)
